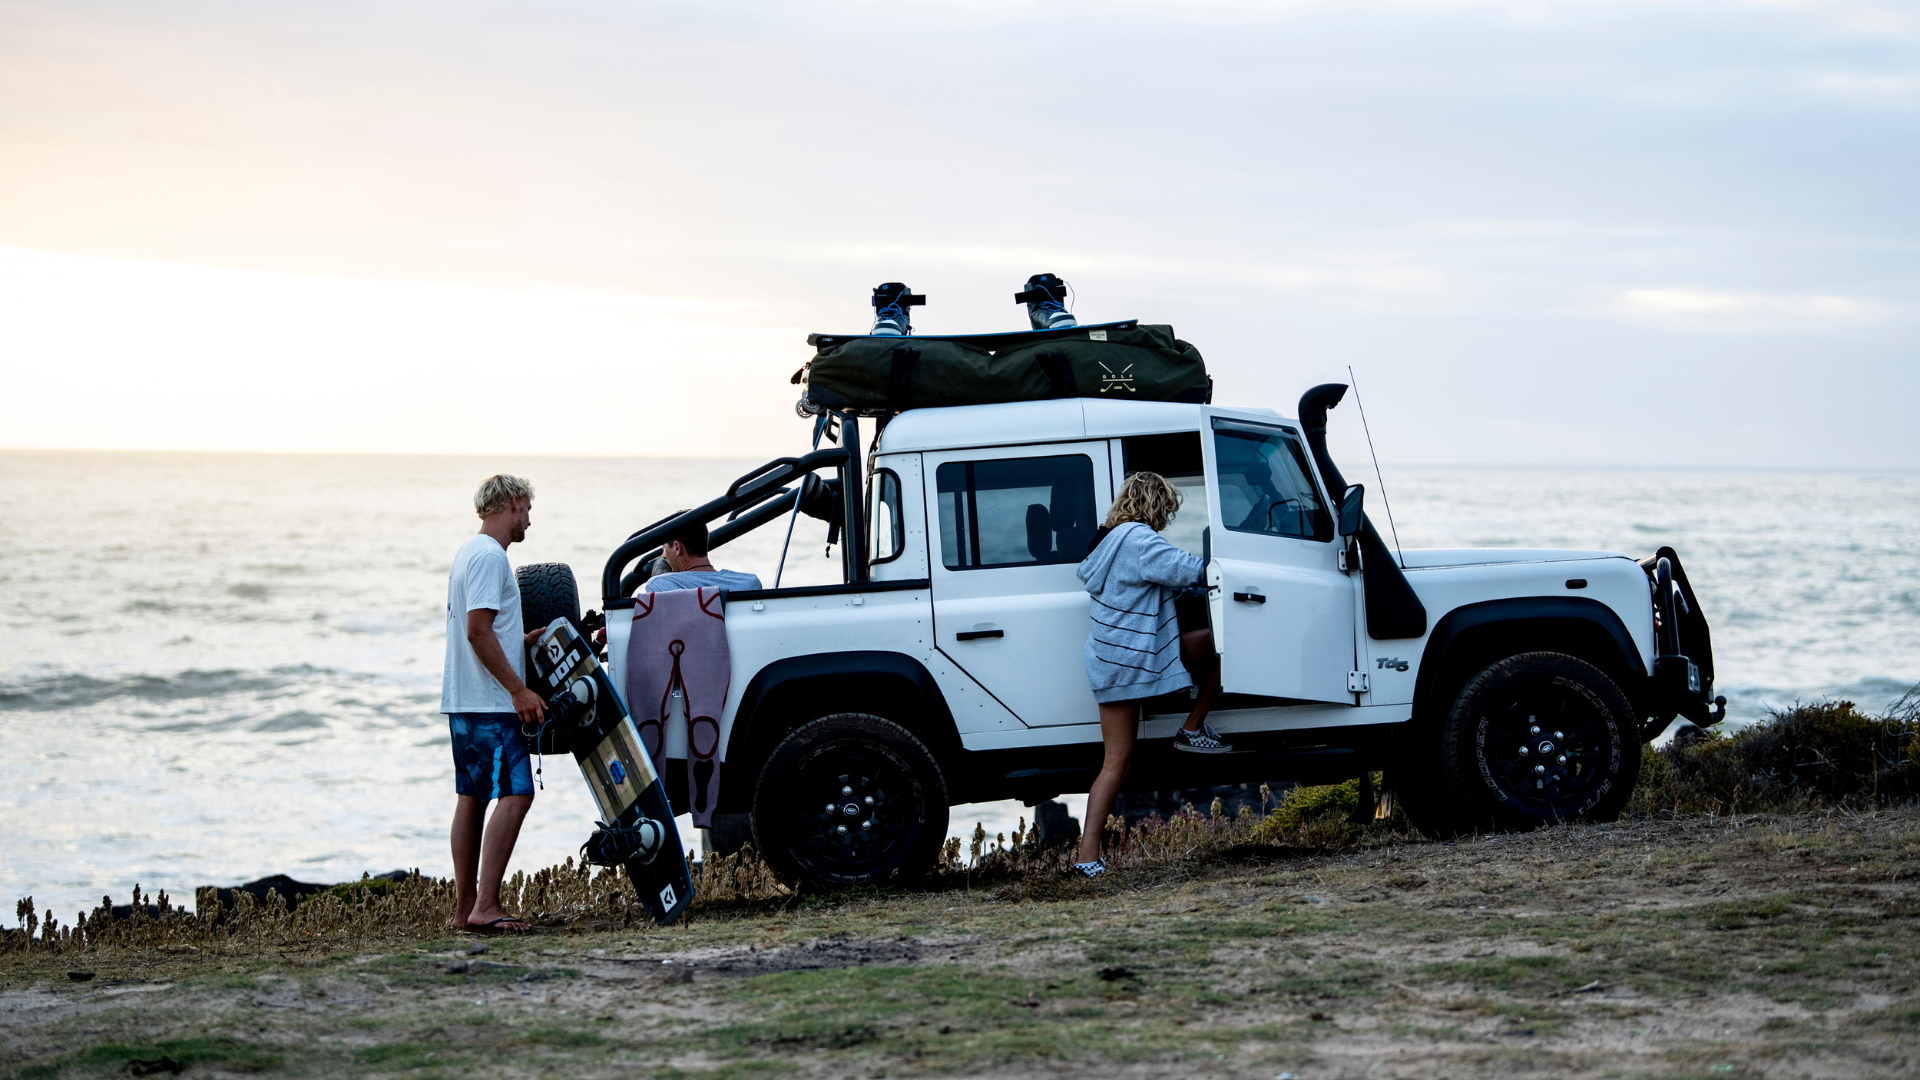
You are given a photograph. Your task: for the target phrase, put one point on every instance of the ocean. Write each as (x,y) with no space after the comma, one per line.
(215,667)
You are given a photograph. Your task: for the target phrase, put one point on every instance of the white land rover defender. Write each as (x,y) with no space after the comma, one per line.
(1496,688)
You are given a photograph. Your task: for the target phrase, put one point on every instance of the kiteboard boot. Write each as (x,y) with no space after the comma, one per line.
(572,703)
(1045,297)
(613,844)
(890,304)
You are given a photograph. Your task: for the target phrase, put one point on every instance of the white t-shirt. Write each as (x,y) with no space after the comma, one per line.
(481,578)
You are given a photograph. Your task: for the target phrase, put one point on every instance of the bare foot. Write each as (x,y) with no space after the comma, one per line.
(495,921)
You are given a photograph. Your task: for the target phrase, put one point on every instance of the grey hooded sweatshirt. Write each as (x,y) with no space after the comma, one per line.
(1133,650)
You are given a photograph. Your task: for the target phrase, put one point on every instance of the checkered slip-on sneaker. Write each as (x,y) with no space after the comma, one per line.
(1204,741)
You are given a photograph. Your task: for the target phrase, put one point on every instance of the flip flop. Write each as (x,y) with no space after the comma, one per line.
(487,929)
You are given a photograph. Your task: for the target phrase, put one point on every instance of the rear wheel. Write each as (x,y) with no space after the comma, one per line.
(850,799)
(547,592)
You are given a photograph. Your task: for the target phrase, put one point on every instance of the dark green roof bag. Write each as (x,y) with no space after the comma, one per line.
(1126,362)
(880,376)
(876,376)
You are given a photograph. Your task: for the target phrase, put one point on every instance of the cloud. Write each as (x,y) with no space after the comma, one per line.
(1440,192)
(1716,304)
(178,356)
(1361,273)
(1897,89)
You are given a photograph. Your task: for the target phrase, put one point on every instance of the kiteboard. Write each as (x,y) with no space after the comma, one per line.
(587,718)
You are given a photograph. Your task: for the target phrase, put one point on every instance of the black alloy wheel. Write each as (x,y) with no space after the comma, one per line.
(850,799)
(1540,738)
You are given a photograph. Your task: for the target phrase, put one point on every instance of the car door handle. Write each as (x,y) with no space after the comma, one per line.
(971,635)
(1250,597)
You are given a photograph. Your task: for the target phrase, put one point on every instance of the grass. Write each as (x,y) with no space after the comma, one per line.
(1668,946)
(972,1019)
(1230,970)
(154,1057)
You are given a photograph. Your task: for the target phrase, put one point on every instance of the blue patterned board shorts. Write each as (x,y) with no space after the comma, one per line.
(489,756)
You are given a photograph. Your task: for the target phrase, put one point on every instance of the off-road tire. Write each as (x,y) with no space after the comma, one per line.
(829,764)
(547,591)
(1538,710)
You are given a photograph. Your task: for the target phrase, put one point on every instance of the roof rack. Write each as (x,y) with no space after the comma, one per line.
(989,342)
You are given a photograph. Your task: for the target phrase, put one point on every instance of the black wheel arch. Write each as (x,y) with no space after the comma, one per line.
(1472,636)
(797,689)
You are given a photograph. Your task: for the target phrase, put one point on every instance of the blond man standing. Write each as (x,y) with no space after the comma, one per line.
(484,693)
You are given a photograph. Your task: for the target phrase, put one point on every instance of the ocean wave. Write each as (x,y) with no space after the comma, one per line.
(71,690)
(1753,704)
(297,720)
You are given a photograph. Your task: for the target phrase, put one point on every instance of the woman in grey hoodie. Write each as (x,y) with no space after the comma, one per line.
(1133,647)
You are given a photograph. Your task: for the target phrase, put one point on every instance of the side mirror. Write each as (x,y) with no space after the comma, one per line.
(1351,513)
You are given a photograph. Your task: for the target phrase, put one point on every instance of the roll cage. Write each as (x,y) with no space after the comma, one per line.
(783,487)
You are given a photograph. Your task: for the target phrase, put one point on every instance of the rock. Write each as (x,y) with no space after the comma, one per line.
(291,891)
(1054,827)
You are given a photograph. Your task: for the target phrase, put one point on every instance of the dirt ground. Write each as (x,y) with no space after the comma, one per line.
(1776,946)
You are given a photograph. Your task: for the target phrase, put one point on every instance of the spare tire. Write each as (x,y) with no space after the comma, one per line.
(547,592)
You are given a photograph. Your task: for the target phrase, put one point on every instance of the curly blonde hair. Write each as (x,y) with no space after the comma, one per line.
(1147,498)
(498,491)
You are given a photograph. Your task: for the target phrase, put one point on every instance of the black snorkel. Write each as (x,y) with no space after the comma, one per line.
(1393,609)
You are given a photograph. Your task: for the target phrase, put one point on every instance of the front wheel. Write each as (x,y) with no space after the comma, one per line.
(850,799)
(1539,738)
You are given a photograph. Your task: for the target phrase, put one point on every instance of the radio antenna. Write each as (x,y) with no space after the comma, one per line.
(1376,465)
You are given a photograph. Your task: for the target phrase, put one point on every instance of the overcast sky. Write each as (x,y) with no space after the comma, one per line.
(1582,232)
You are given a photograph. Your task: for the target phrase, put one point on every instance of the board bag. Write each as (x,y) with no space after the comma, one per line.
(587,718)
(881,376)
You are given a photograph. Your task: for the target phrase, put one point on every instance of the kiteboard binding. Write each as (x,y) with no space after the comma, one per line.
(1045,297)
(587,718)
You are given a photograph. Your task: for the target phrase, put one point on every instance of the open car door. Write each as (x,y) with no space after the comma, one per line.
(1283,611)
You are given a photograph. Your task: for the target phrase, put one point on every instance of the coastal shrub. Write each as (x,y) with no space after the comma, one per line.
(574,896)
(1308,805)
(1827,754)
(411,908)
(1312,818)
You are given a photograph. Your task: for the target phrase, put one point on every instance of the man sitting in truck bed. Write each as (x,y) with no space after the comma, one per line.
(685,553)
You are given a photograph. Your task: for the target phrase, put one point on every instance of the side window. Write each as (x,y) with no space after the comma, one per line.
(886,530)
(1175,456)
(1015,512)
(1265,486)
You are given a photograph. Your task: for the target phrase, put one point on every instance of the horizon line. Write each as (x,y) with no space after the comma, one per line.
(1470,465)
